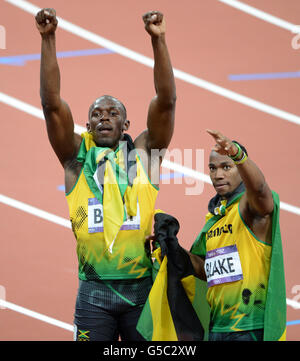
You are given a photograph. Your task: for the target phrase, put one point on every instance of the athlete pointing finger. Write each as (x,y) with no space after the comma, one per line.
(238,252)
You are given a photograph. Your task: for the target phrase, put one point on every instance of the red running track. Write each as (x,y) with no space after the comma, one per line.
(207,39)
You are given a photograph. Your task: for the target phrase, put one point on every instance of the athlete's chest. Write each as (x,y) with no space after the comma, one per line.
(225,231)
(222,262)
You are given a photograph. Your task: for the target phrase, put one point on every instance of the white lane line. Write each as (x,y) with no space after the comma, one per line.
(252,103)
(66,326)
(35,211)
(289,208)
(261,15)
(30,109)
(25,311)
(188,78)
(186,171)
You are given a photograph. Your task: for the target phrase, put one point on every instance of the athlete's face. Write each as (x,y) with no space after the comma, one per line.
(223,173)
(107,122)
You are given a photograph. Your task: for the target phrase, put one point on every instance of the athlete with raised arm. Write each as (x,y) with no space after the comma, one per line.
(109,191)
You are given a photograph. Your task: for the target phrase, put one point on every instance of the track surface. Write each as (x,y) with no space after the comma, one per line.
(207,39)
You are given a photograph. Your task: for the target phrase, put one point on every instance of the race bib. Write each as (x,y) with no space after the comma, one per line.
(95,217)
(223,265)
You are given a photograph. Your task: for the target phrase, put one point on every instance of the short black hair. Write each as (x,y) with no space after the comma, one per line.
(111,98)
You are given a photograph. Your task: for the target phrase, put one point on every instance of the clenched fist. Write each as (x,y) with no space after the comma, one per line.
(46,21)
(154,23)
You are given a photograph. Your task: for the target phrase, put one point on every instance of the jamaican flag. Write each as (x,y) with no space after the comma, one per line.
(176,302)
(275,312)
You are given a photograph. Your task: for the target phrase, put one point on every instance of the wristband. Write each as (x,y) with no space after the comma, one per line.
(241,161)
(233,157)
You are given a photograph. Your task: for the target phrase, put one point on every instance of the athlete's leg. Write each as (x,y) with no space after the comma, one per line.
(92,321)
(132,297)
(127,324)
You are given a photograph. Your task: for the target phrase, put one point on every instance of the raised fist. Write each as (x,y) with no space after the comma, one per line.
(46,21)
(154,23)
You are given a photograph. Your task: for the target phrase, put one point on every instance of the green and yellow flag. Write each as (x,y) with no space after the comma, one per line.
(176,309)
(120,196)
(275,312)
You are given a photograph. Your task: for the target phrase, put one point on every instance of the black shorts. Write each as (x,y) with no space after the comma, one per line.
(107,310)
(253,335)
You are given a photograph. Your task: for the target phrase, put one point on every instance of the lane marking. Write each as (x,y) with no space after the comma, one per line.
(20,60)
(139,58)
(289,208)
(263,76)
(261,15)
(35,211)
(32,110)
(36,315)
(53,321)
(292,323)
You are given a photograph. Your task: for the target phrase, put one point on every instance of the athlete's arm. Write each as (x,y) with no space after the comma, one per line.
(59,121)
(258,200)
(198,264)
(160,121)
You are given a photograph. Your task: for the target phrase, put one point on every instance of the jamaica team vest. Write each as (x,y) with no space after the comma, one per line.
(127,259)
(237,267)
